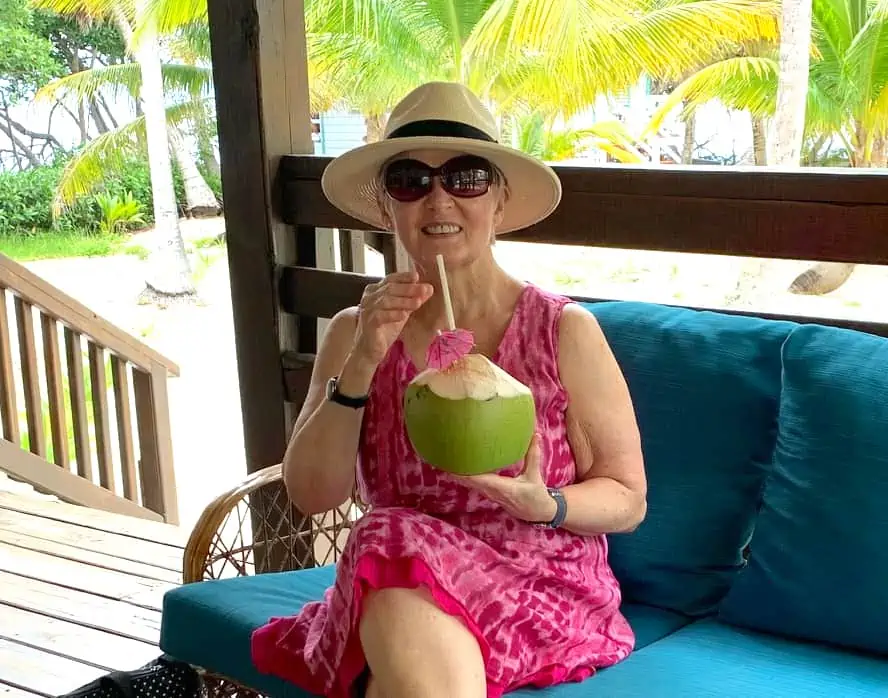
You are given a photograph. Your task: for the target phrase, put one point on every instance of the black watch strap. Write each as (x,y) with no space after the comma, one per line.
(561,507)
(334,395)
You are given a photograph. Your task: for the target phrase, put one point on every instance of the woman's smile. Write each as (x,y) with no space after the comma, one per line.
(442,230)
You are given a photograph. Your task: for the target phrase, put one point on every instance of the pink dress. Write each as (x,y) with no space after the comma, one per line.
(542,603)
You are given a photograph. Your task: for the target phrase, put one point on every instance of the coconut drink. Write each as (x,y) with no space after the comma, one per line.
(463,413)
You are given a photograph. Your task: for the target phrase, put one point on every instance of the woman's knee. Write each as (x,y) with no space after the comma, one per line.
(412,645)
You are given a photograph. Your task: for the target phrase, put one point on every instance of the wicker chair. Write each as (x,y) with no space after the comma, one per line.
(253,528)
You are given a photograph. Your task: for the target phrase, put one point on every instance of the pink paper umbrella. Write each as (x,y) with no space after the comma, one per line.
(449,346)
(453,344)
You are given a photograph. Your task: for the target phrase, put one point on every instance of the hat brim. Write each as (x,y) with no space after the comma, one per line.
(350,180)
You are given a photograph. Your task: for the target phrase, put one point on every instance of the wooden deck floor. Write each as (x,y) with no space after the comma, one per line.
(80,593)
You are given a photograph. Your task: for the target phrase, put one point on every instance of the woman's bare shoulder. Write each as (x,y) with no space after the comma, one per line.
(340,332)
(579,334)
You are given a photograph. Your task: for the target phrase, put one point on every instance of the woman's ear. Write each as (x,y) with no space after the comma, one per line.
(500,209)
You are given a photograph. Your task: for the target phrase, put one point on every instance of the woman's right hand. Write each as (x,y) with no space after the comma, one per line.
(384,309)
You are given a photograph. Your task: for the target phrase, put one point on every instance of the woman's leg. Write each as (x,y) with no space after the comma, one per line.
(416,650)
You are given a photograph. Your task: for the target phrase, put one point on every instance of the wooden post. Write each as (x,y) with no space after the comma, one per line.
(326,252)
(156,471)
(258,53)
(261,85)
(352,251)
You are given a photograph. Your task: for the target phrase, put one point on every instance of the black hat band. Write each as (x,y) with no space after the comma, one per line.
(440,128)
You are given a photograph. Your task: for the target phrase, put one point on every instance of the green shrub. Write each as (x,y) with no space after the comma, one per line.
(26,204)
(26,199)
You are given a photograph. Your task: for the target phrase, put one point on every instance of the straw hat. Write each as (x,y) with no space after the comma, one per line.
(442,115)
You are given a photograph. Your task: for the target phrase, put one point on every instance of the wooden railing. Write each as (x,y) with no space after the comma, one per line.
(284,286)
(63,371)
(811,214)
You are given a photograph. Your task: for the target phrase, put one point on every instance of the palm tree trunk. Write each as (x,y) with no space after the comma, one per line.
(789,120)
(759,143)
(170,273)
(687,151)
(792,93)
(199,198)
(375,126)
(792,82)
(880,153)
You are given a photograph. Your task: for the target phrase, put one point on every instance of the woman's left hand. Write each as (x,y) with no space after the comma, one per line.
(524,496)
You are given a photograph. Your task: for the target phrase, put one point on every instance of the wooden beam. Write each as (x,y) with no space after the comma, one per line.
(259,57)
(25,466)
(320,293)
(324,293)
(262,108)
(810,214)
(814,184)
(157,474)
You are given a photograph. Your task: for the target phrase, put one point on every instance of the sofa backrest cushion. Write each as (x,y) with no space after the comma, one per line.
(818,566)
(705,387)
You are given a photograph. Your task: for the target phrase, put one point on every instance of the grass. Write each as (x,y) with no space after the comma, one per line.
(27,247)
(55,245)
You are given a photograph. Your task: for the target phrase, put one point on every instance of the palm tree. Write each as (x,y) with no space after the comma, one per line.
(524,55)
(847,95)
(170,270)
(188,87)
(535,133)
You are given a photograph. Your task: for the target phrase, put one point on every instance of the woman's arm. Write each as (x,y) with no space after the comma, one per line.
(319,464)
(320,460)
(611,494)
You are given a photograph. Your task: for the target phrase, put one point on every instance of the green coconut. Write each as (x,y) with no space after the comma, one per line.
(469,418)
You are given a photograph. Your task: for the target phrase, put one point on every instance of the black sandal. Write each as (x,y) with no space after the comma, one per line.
(164,676)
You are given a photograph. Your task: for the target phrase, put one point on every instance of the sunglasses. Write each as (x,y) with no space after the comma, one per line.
(465,176)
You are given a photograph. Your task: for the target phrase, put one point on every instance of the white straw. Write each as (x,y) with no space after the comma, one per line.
(448,307)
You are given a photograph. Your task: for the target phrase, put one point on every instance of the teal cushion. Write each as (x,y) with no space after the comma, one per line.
(209,624)
(705,387)
(819,557)
(709,658)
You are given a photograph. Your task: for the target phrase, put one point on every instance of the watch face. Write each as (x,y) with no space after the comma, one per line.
(331,387)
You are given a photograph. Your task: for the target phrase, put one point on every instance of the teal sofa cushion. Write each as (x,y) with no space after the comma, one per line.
(209,624)
(818,565)
(709,658)
(705,387)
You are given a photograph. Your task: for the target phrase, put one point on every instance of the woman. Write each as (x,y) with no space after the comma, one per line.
(458,586)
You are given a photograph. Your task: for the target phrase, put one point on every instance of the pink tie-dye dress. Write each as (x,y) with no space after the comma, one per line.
(542,603)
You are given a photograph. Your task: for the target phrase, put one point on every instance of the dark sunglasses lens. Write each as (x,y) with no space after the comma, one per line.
(467,176)
(407,180)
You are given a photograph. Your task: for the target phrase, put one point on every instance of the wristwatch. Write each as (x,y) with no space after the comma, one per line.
(339,398)
(560,508)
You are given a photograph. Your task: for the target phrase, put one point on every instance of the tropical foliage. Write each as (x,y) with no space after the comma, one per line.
(187,88)
(537,63)
(551,59)
(848,80)
(152,131)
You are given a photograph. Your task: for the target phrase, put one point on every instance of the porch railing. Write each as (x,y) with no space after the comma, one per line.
(83,404)
(808,214)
